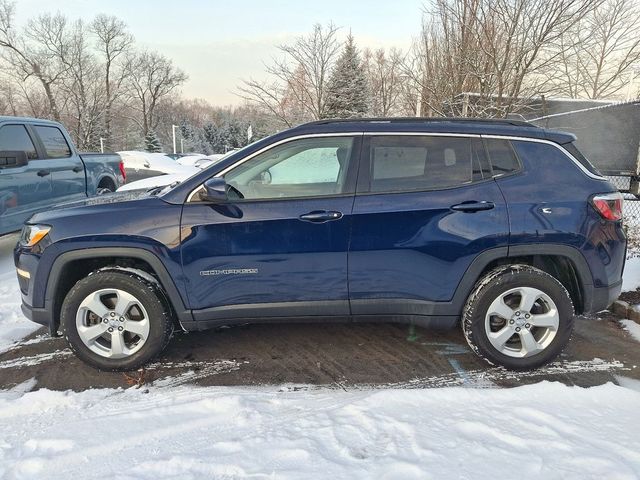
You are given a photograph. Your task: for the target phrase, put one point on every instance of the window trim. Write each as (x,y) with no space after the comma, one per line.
(364,146)
(46,155)
(29,134)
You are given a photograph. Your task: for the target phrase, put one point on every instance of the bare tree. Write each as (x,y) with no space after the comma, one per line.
(114,43)
(489,57)
(384,74)
(152,77)
(299,78)
(600,64)
(33,59)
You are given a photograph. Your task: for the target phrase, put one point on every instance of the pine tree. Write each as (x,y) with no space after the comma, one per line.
(347,90)
(151,142)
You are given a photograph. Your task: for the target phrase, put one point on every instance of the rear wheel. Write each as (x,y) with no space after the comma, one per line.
(116,320)
(518,317)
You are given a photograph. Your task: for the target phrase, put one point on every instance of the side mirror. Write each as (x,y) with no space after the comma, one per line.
(13,158)
(215,190)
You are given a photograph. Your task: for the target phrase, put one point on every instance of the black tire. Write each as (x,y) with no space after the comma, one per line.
(499,281)
(150,297)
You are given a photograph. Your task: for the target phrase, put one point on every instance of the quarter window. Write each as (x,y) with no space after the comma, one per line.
(55,145)
(406,163)
(16,138)
(503,158)
(300,168)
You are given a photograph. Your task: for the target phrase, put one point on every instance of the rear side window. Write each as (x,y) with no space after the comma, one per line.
(55,145)
(584,161)
(16,138)
(503,158)
(409,163)
(543,155)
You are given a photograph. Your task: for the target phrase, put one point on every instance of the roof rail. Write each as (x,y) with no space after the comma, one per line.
(493,121)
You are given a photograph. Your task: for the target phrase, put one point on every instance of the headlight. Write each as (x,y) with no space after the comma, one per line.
(32,234)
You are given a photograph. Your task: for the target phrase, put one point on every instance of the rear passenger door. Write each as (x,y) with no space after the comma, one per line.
(426,206)
(65,167)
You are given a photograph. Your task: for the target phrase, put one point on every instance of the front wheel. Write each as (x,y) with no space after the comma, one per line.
(116,320)
(518,317)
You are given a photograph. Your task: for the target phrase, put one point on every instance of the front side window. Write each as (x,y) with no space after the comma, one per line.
(410,163)
(16,138)
(301,168)
(55,145)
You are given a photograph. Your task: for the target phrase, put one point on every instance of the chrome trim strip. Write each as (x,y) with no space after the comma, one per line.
(423,134)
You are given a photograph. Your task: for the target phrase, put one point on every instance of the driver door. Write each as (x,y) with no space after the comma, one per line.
(279,246)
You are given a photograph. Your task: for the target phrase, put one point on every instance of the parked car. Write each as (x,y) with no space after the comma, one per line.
(492,225)
(190,168)
(140,165)
(40,167)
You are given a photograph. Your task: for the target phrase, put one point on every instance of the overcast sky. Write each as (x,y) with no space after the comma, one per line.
(220,42)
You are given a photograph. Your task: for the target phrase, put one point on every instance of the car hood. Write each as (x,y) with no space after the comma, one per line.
(109,203)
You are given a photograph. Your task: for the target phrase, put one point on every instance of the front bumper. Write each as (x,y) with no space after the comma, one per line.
(39,315)
(28,261)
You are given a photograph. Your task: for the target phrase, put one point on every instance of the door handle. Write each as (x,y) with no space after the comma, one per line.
(471,207)
(43,173)
(320,216)
(77,169)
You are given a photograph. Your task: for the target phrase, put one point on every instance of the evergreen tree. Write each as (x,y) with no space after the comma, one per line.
(210,137)
(347,90)
(151,142)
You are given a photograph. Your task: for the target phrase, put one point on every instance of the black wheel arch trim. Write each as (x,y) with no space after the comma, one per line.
(166,281)
(480,263)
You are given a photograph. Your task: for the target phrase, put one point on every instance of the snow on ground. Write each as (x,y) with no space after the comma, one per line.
(631,277)
(632,327)
(546,430)
(13,325)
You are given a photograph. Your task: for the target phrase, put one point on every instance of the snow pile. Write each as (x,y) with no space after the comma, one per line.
(134,160)
(546,430)
(13,325)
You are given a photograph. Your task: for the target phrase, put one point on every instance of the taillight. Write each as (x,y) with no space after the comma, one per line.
(123,172)
(608,205)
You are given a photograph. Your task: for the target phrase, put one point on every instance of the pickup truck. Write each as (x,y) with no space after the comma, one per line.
(40,167)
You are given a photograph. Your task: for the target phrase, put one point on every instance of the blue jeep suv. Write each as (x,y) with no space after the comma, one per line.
(500,226)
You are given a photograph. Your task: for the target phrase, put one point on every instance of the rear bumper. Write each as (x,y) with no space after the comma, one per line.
(601,297)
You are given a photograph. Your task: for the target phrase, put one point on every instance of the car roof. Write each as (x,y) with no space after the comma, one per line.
(9,119)
(476,126)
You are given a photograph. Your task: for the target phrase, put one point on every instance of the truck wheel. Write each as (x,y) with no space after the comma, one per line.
(518,317)
(116,320)
(105,187)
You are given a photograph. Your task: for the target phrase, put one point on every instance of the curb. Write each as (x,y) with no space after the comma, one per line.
(626,310)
